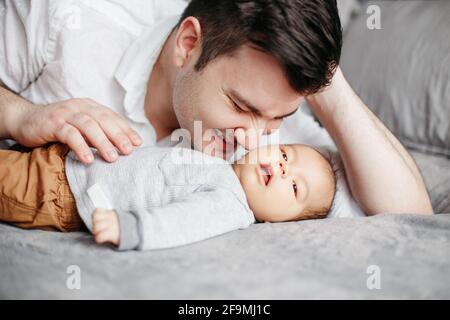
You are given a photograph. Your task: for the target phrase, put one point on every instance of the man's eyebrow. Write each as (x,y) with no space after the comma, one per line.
(236,96)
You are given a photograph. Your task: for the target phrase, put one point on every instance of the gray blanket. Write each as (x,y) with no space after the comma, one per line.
(312,259)
(408,254)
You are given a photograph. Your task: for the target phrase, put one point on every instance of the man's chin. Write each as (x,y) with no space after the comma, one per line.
(216,145)
(212,149)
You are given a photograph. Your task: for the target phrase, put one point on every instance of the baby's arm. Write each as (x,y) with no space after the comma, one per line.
(196,217)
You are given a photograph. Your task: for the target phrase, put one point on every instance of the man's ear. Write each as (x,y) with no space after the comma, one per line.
(188,41)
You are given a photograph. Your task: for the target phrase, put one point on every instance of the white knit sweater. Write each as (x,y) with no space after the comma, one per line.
(164,197)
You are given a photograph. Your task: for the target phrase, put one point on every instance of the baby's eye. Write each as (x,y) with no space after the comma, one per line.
(294,186)
(284,156)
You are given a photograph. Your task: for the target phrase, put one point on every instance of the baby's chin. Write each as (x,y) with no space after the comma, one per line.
(261,214)
(260,219)
(267,217)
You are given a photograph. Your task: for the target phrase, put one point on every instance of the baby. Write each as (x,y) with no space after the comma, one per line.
(163,197)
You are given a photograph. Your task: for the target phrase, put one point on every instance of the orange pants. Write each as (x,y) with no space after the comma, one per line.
(34,192)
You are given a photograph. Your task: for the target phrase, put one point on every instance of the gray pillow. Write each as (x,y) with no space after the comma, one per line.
(436,173)
(346,10)
(403,70)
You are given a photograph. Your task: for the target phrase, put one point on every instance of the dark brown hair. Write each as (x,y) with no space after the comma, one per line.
(305,36)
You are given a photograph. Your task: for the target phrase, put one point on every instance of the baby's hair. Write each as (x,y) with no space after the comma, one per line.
(336,169)
(322,212)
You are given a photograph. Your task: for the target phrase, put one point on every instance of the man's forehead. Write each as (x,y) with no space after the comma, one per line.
(258,78)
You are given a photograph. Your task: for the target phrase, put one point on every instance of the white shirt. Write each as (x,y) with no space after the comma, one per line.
(54,50)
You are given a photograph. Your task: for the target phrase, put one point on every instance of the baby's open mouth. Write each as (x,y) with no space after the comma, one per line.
(267,173)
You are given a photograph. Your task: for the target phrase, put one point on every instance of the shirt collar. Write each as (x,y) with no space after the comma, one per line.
(137,63)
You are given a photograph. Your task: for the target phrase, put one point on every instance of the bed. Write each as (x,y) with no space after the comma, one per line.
(320,259)
(386,256)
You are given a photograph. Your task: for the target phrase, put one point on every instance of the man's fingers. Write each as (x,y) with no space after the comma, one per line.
(116,128)
(80,123)
(136,140)
(117,136)
(94,133)
(73,138)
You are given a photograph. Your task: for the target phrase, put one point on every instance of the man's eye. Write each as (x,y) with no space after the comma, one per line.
(238,109)
(294,186)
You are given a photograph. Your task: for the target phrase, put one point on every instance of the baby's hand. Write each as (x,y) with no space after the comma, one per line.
(105,226)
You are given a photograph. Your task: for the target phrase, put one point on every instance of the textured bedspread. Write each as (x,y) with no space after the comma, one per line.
(299,260)
(312,259)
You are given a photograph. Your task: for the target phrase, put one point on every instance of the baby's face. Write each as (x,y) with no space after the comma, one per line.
(281,181)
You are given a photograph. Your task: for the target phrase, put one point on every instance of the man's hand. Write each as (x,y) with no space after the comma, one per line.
(105,226)
(79,123)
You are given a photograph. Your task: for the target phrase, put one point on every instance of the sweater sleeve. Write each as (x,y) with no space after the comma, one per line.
(196,217)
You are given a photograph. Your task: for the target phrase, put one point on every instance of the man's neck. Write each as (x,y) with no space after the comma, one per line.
(158,100)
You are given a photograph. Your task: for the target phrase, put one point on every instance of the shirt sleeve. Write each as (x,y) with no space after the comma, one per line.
(196,217)
(302,128)
(24,35)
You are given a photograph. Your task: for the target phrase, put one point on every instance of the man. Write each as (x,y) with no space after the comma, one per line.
(236,66)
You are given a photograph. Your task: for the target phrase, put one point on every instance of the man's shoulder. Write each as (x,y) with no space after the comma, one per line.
(129,14)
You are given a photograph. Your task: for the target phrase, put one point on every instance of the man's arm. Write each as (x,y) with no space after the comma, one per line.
(381,174)
(75,122)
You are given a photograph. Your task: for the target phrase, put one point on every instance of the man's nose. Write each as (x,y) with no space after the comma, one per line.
(248,139)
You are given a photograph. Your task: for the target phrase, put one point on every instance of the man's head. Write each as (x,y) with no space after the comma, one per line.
(286,182)
(245,65)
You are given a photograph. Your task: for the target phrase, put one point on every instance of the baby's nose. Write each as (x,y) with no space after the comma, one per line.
(283,168)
